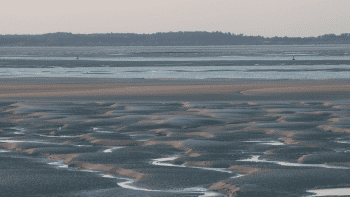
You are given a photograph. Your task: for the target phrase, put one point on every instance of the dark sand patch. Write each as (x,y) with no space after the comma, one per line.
(114,105)
(16,147)
(338,107)
(339,115)
(225,188)
(202,134)
(20,106)
(272,132)
(281,118)
(333,129)
(193,153)
(110,169)
(326,104)
(186,105)
(301,159)
(37,114)
(333,120)
(68,158)
(107,113)
(129,108)
(12,111)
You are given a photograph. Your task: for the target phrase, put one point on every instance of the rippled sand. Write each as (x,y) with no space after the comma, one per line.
(89,137)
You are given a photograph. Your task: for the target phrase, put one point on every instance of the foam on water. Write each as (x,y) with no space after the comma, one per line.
(343,142)
(108,176)
(60,136)
(25,141)
(237,176)
(129,185)
(111,149)
(11,141)
(273,143)
(159,162)
(59,164)
(20,131)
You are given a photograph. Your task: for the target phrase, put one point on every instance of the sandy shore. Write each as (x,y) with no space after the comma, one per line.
(177,89)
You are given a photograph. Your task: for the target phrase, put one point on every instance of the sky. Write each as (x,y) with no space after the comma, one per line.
(269,18)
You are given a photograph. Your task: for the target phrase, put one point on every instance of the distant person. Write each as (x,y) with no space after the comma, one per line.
(293,57)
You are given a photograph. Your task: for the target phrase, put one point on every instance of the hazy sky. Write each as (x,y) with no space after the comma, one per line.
(250,17)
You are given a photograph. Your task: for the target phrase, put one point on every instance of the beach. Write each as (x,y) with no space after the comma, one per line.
(173,137)
(158,89)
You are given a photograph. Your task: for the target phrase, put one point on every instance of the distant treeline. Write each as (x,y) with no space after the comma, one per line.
(162,39)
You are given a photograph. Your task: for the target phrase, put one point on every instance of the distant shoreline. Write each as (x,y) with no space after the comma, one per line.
(196,38)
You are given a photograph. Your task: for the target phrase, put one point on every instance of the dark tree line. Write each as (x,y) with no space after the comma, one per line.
(162,39)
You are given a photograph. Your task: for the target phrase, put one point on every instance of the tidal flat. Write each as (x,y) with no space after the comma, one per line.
(163,134)
(111,137)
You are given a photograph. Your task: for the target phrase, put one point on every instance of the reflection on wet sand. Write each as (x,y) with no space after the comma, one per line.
(256,159)
(330,192)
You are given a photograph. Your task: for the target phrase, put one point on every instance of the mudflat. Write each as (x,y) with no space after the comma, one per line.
(173,137)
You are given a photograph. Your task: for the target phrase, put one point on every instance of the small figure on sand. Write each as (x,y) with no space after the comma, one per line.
(77,57)
(292,59)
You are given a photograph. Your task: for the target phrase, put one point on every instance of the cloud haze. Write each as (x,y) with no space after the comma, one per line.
(251,17)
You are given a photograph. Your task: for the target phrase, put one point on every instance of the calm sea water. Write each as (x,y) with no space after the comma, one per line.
(192,62)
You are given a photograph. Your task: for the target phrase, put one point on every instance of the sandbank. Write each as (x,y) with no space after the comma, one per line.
(175,89)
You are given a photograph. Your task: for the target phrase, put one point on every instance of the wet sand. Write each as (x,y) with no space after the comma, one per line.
(152,137)
(173,89)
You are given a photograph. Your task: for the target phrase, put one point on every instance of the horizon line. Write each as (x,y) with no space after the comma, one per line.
(174,32)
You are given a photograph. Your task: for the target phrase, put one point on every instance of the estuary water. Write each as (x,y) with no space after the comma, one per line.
(188,72)
(192,62)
